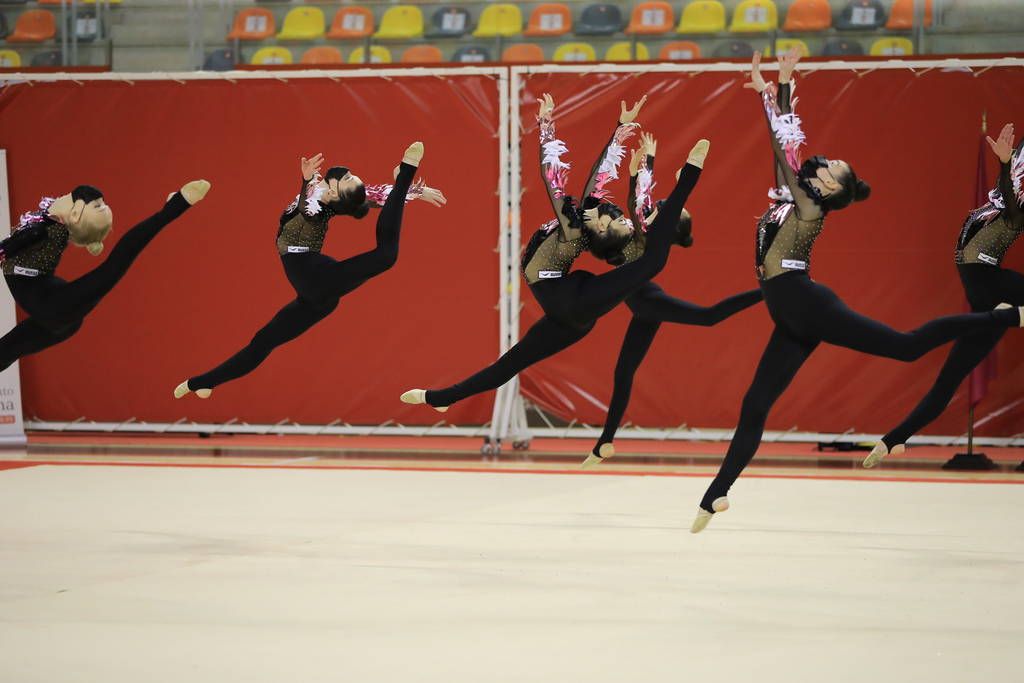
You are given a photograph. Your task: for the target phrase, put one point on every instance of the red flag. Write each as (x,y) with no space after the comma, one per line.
(977,383)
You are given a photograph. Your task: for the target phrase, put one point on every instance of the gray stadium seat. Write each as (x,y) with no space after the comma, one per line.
(600,20)
(219,60)
(472,54)
(861,15)
(841,46)
(735,48)
(449,22)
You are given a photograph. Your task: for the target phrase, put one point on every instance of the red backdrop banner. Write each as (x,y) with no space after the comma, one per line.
(210,280)
(913,136)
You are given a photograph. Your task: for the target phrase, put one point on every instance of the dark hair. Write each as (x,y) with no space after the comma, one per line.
(607,246)
(684,228)
(851,189)
(351,203)
(86,193)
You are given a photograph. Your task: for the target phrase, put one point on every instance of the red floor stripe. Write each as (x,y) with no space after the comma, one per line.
(14,465)
(486,470)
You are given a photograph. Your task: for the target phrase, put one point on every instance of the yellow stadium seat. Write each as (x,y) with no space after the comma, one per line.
(499,20)
(272,55)
(378,55)
(303,23)
(704,16)
(753,16)
(575,52)
(401,22)
(784,45)
(892,47)
(9,59)
(623,52)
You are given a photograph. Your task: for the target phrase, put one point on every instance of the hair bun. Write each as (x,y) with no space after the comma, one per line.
(862,191)
(615,259)
(361,210)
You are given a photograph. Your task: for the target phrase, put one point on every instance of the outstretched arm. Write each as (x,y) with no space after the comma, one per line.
(641,182)
(553,169)
(784,130)
(1008,160)
(606,168)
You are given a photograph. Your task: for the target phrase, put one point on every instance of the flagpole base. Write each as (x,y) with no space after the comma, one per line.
(970,462)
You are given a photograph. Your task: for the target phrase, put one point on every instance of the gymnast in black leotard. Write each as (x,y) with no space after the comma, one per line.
(984,239)
(651,305)
(807,313)
(31,254)
(319,280)
(573,301)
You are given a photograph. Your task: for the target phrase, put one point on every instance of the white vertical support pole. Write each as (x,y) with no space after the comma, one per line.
(516,424)
(504,256)
(12,429)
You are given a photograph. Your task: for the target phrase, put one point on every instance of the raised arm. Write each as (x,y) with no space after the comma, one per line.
(606,168)
(641,181)
(553,170)
(785,131)
(1011,172)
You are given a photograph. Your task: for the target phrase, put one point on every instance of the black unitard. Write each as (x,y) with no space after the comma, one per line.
(807,313)
(651,307)
(319,282)
(987,233)
(573,301)
(56,307)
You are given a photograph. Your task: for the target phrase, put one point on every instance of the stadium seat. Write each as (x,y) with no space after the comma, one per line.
(575,52)
(600,20)
(49,58)
(378,55)
(253,24)
(219,60)
(303,23)
(86,25)
(449,22)
(527,53)
(549,19)
(422,54)
(272,55)
(401,22)
(500,20)
(679,51)
(623,52)
(754,16)
(901,15)
(9,59)
(33,26)
(837,47)
(784,45)
(734,49)
(704,16)
(892,47)
(352,23)
(808,15)
(472,54)
(322,54)
(650,18)
(861,15)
